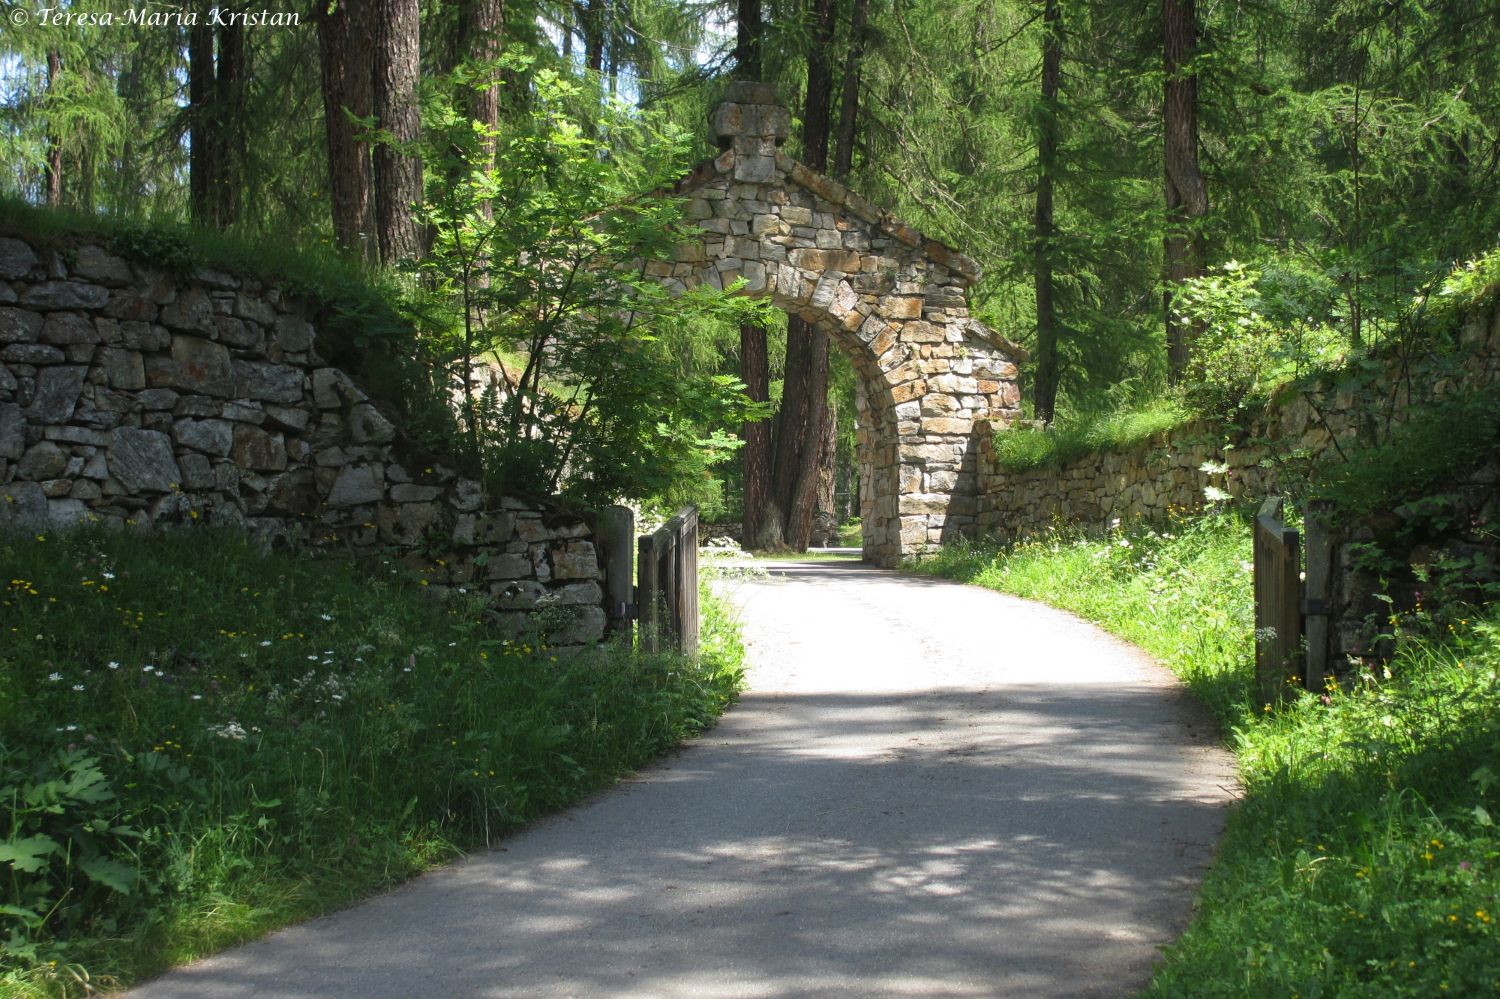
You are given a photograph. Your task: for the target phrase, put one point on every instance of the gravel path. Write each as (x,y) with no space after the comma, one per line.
(929,790)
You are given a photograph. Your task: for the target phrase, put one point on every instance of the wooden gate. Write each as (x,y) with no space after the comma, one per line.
(1278,604)
(667,585)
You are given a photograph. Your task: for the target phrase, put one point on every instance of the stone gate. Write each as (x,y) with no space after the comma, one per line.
(931,379)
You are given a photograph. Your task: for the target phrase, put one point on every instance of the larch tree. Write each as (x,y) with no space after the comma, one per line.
(1186,191)
(799,423)
(755,369)
(1044,383)
(348,93)
(398,170)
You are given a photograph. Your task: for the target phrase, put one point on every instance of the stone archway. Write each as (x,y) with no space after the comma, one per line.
(932,379)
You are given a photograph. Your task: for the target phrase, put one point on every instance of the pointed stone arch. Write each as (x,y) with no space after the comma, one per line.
(931,378)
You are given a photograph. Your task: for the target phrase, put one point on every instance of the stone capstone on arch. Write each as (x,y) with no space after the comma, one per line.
(932,379)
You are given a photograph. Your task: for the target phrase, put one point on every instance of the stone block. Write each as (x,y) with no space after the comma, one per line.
(294,333)
(268,382)
(255,449)
(196,365)
(574,560)
(97,265)
(16,259)
(32,353)
(197,472)
(63,328)
(57,391)
(142,460)
(368,426)
(42,461)
(65,295)
(213,437)
(12,431)
(357,485)
(846,261)
(19,326)
(410,493)
(332,389)
(192,312)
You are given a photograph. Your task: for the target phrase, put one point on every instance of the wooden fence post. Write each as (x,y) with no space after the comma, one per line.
(1318,589)
(616,553)
(667,594)
(1278,612)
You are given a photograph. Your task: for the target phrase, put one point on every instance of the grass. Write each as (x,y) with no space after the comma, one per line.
(200,741)
(1363,860)
(1024,447)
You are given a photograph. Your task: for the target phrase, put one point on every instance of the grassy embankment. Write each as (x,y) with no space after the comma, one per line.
(200,742)
(1363,859)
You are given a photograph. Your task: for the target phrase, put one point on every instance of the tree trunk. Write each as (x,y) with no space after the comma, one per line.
(398,171)
(754,360)
(747,40)
(1044,394)
(54,141)
(482,39)
(755,372)
(824,510)
(843,145)
(201,171)
(345,53)
(804,397)
(593,35)
(228,140)
(1186,192)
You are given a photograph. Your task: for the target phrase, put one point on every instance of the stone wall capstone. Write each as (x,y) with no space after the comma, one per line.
(132,396)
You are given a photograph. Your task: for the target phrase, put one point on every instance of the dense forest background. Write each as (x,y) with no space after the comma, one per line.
(1166,196)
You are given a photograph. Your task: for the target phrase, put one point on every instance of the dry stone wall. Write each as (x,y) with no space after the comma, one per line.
(131,396)
(1173,471)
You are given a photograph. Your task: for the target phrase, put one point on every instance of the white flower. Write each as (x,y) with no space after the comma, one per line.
(266,644)
(112,664)
(197,697)
(326,617)
(147,668)
(78,687)
(54,677)
(229,730)
(107,575)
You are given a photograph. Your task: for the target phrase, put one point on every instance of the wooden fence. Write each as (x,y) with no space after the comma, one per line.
(1291,608)
(1278,604)
(667,585)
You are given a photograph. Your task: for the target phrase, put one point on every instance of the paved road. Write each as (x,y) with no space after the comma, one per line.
(929,790)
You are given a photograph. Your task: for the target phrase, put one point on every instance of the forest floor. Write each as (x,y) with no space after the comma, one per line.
(928,789)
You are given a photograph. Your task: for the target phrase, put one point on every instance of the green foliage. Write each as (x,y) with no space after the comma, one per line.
(545,256)
(1072,436)
(200,741)
(1423,455)
(1364,859)
(1241,353)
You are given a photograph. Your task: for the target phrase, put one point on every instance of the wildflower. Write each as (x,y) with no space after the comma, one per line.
(112,664)
(229,730)
(265,644)
(197,697)
(78,687)
(54,677)
(326,617)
